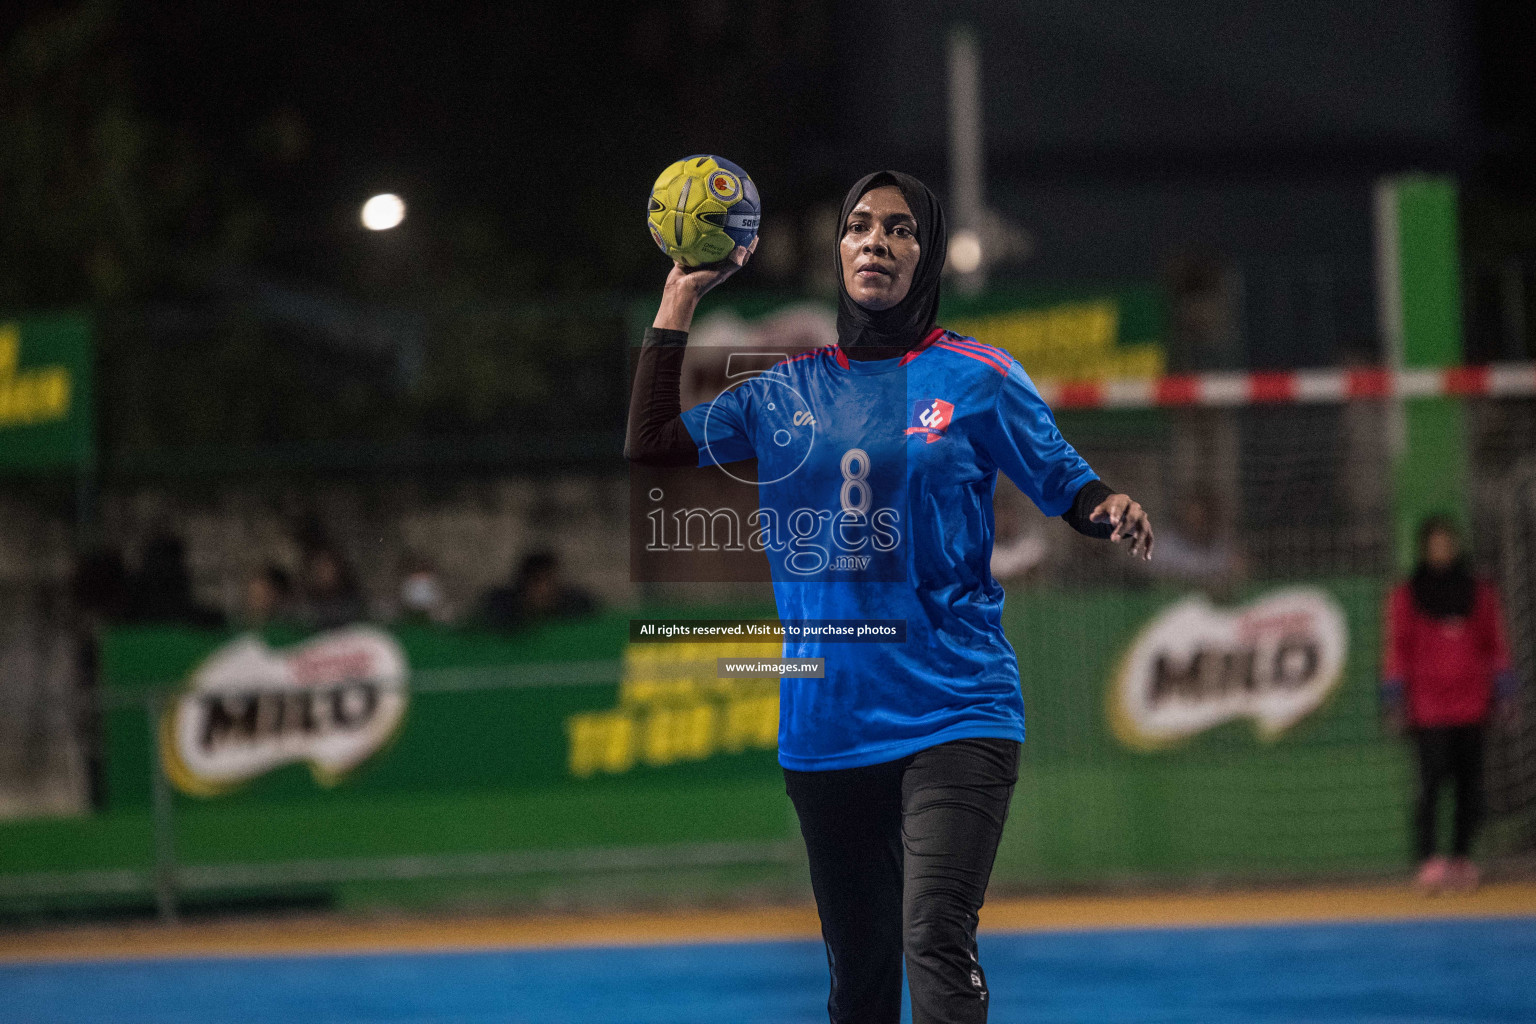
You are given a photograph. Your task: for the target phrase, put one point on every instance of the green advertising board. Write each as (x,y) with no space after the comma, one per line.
(46,407)
(570,738)
(1069,333)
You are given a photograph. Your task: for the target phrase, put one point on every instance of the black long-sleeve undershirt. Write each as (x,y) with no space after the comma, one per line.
(657,436)
(1083,503)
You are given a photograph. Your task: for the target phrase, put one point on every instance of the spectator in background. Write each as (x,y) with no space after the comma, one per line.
(268,598)
(161,591)
(1203,310)
(1445,662)
(539,593)
(422,598)
(1193,550)
(330,596)
(99,588)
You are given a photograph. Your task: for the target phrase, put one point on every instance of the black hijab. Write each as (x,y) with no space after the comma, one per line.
(1447,593)
(870,333)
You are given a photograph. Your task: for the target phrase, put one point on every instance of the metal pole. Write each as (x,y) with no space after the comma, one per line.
(1512,299)
(85,496)
(1389,306)
(965,156)
(163,819)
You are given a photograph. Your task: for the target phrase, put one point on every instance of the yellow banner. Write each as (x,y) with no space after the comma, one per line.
(29,397)
(1068,341)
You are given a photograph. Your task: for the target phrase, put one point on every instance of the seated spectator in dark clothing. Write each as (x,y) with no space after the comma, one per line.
(538,594)
(268,598)
(161,591)
(330,596)
(100,586)
(100,591)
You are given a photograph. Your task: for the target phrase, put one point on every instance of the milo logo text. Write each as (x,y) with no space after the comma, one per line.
(330,703)
(230,720)
(1195,666)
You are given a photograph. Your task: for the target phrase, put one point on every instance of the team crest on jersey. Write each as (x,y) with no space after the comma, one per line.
(931,417)
(725,185)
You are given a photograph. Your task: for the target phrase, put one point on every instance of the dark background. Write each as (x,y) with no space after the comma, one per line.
(193,171)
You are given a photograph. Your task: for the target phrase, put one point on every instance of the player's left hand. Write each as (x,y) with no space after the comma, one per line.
(1129,519)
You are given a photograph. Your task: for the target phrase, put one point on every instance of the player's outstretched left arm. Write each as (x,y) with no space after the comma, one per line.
(1022,439)
(1130,522)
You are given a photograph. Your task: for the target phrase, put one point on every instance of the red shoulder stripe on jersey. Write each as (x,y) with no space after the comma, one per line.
(991,350)
(995,354)
(804,355)
(932,336)
(1001,368)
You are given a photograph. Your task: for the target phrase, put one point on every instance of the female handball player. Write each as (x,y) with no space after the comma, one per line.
(902,760)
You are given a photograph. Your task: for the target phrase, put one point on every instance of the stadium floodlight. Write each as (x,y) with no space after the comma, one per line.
(965,251)
(382,212)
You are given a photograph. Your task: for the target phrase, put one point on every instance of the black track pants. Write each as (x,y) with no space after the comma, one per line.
(1455,753)
(900,854)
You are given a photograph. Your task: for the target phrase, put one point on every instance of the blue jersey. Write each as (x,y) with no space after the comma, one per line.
(875,502)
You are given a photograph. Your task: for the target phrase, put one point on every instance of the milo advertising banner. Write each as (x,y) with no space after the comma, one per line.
(1168,735)
(46,419)
(1193,666)
(330,703)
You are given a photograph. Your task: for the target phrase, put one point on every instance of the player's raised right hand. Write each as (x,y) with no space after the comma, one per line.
(697,280)
(686,285)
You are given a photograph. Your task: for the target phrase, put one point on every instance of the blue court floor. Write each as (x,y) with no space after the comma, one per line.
(1475,971)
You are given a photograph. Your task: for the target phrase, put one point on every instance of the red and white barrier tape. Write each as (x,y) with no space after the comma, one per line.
(1298,387)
